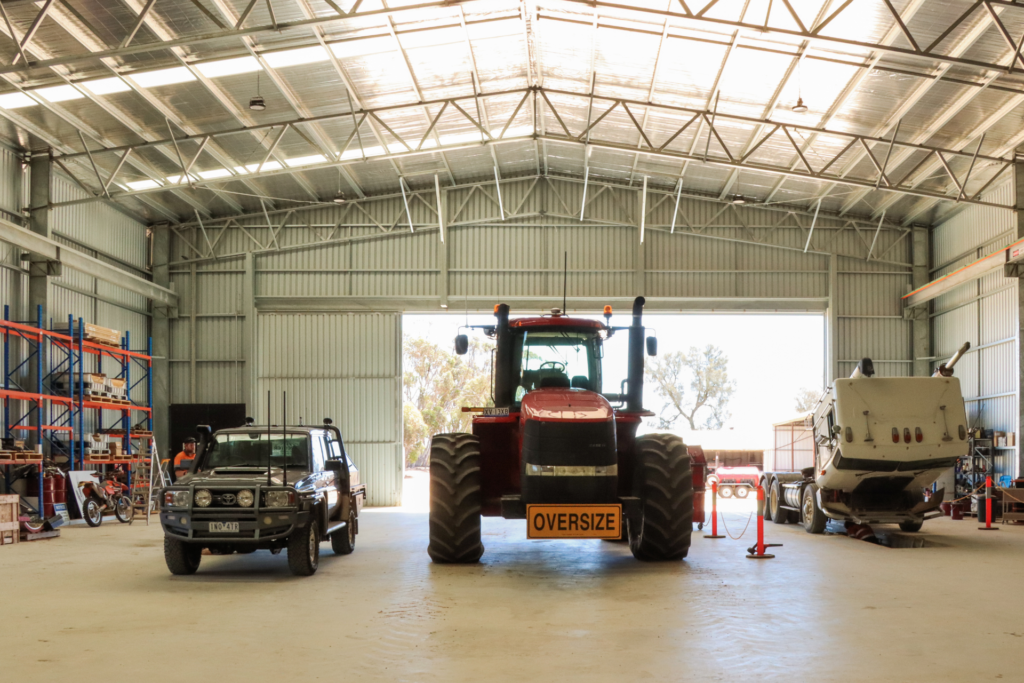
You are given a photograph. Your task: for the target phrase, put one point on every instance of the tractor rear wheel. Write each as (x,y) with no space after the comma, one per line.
(664,484)
(455,499)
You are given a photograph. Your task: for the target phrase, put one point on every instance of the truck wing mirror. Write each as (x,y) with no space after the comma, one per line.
(652,346)
(461,344)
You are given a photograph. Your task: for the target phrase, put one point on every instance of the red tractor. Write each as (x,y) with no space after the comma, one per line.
(554,451)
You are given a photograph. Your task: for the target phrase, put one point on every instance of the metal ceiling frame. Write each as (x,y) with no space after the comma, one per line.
(715,156)
(779,25)
(762,233)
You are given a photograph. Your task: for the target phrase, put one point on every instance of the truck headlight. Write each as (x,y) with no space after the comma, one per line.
(245,498)
(280,499)
(176,499)
(204,498)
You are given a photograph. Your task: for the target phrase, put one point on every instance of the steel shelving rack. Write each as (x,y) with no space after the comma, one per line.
(57,409)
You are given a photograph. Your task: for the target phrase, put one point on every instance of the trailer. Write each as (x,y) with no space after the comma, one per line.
(875,445)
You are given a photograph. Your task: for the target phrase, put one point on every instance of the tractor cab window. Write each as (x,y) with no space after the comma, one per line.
(557,359)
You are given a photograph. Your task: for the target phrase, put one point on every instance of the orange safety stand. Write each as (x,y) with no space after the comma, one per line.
(757,551)
(988,507)
(714,512)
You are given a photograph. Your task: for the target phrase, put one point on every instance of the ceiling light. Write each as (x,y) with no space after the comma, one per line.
(339,198)
(738,199)
(800,107)
(257,103)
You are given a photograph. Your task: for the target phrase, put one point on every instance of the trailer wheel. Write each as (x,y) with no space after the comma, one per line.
(911,526)
(664,484)
(455,499)
(814,518)
(741,491)
(778,514)
(725,491)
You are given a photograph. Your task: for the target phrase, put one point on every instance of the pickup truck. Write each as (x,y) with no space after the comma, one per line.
(264,488)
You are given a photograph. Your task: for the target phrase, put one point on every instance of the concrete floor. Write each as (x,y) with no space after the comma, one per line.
(98,602)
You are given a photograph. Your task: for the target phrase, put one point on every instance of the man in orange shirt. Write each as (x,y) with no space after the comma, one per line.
(183,460)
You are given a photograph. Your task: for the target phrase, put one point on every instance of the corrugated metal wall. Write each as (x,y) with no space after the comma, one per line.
(983,312)
(95,229)
(737,252)
(345,366)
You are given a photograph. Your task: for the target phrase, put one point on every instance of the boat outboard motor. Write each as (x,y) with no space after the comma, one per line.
(865,368)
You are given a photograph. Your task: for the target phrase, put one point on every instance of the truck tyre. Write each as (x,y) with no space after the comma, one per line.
(182,558)
(767,500)
(779,515)
(455,499)
(344,542)
(911,526)
(664,484)
(814,518)
(304,550)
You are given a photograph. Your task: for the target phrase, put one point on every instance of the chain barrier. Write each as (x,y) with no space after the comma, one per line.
(742,533)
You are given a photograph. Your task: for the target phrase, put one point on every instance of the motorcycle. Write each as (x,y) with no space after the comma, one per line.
(108,494)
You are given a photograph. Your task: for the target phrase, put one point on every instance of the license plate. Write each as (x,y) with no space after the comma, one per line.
(223,527)
(573,521)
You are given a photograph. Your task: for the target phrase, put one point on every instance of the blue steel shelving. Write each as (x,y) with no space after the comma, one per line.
(56,405)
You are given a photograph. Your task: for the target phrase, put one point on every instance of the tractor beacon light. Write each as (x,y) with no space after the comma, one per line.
(906,435)
(918,435)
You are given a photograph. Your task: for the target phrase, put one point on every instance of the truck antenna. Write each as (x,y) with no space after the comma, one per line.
(284,434)
(270,447)
(565,281)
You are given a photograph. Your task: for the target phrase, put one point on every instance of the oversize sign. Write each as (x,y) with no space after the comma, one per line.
(573,521)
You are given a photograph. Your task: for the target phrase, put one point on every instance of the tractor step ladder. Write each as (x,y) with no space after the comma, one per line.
(143,478)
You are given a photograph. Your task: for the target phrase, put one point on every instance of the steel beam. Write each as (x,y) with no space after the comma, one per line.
(53,251)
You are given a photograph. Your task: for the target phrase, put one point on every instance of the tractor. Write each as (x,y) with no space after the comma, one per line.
(555,452)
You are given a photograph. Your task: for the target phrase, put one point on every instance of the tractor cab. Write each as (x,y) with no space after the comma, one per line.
(555,452)
(556,352)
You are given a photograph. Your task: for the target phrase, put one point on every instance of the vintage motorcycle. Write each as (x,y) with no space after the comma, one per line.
(109,492)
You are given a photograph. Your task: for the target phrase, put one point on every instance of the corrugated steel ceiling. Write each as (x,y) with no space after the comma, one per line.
(402,56)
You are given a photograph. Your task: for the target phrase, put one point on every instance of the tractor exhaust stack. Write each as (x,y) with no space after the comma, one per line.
(503,387)
(635,376)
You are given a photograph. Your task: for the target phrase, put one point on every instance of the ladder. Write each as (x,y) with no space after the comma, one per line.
(143,477)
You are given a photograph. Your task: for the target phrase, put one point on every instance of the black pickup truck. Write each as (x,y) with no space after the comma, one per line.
(258,488)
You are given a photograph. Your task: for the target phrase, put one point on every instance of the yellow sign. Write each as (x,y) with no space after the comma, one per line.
(573,521)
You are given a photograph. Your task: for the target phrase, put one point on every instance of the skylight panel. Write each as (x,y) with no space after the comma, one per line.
(59,93)
(143,184)
(215,173)
(229,67)
(16,100)
(305,161)
(302,55)
(152,79)
(106,86)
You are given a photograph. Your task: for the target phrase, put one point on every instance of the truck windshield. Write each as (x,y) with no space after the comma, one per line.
(253,449)
(551,358)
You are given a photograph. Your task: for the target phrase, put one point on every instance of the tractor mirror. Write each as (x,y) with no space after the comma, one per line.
(461,344)
(652,346)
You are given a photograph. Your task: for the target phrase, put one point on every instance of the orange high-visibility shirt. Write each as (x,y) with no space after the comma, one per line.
(183,462)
